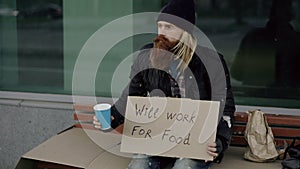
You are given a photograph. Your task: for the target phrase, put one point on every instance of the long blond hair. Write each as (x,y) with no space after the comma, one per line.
(184,50)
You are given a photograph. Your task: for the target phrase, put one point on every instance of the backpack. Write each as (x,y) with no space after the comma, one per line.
(260,139)
(293,162)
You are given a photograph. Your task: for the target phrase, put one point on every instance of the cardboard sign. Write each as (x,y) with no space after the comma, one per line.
(173,127)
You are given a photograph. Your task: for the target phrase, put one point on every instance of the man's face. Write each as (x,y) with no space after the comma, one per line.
(171,32)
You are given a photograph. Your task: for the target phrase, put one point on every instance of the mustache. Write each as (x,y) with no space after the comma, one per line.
(161,42)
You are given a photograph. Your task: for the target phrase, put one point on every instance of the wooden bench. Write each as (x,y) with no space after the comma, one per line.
(284,127)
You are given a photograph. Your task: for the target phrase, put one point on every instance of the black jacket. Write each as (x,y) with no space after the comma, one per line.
(197,86)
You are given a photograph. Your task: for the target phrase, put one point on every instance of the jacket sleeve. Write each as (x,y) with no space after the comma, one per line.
(224,130)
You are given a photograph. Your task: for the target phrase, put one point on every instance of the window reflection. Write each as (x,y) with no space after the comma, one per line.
(266,63)
(263,61)
(40,44)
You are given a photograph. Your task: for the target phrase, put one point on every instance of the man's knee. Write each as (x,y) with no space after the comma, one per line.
(190,164)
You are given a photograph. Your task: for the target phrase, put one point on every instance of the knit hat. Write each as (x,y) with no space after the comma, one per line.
(180,13)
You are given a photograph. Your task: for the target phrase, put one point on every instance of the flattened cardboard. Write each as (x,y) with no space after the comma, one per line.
(109,161)
(75,147)
(170,127)
(67,148)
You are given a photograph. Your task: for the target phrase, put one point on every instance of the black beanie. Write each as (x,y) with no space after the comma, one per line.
(184,9)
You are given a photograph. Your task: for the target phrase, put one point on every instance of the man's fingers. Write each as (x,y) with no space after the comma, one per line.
(212,145)
(212,154)
(212,149)
(97,127)
(95,118)
(96,123)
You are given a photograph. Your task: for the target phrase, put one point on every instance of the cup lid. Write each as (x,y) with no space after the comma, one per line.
(102,106)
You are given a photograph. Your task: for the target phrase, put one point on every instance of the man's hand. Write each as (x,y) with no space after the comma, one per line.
(214,149)
(96,122)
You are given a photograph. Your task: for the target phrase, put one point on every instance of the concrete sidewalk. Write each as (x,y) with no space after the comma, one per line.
(233,159)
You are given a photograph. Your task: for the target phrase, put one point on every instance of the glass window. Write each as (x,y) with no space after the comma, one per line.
(40,41)
(32,46)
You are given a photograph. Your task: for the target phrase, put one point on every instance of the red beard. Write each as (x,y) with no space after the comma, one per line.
(162,53)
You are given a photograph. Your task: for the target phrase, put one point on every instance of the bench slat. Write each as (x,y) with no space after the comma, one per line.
(277,132)
(83,117)
(238,141)
(272,119)
(85,126)
(241,141)
(79,107)
(118,130)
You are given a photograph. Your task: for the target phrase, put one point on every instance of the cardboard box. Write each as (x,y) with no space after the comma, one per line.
(76,148)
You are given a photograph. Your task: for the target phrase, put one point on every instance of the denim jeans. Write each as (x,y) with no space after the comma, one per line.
(140,161)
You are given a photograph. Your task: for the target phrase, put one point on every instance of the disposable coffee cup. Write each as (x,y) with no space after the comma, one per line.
(103,114)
